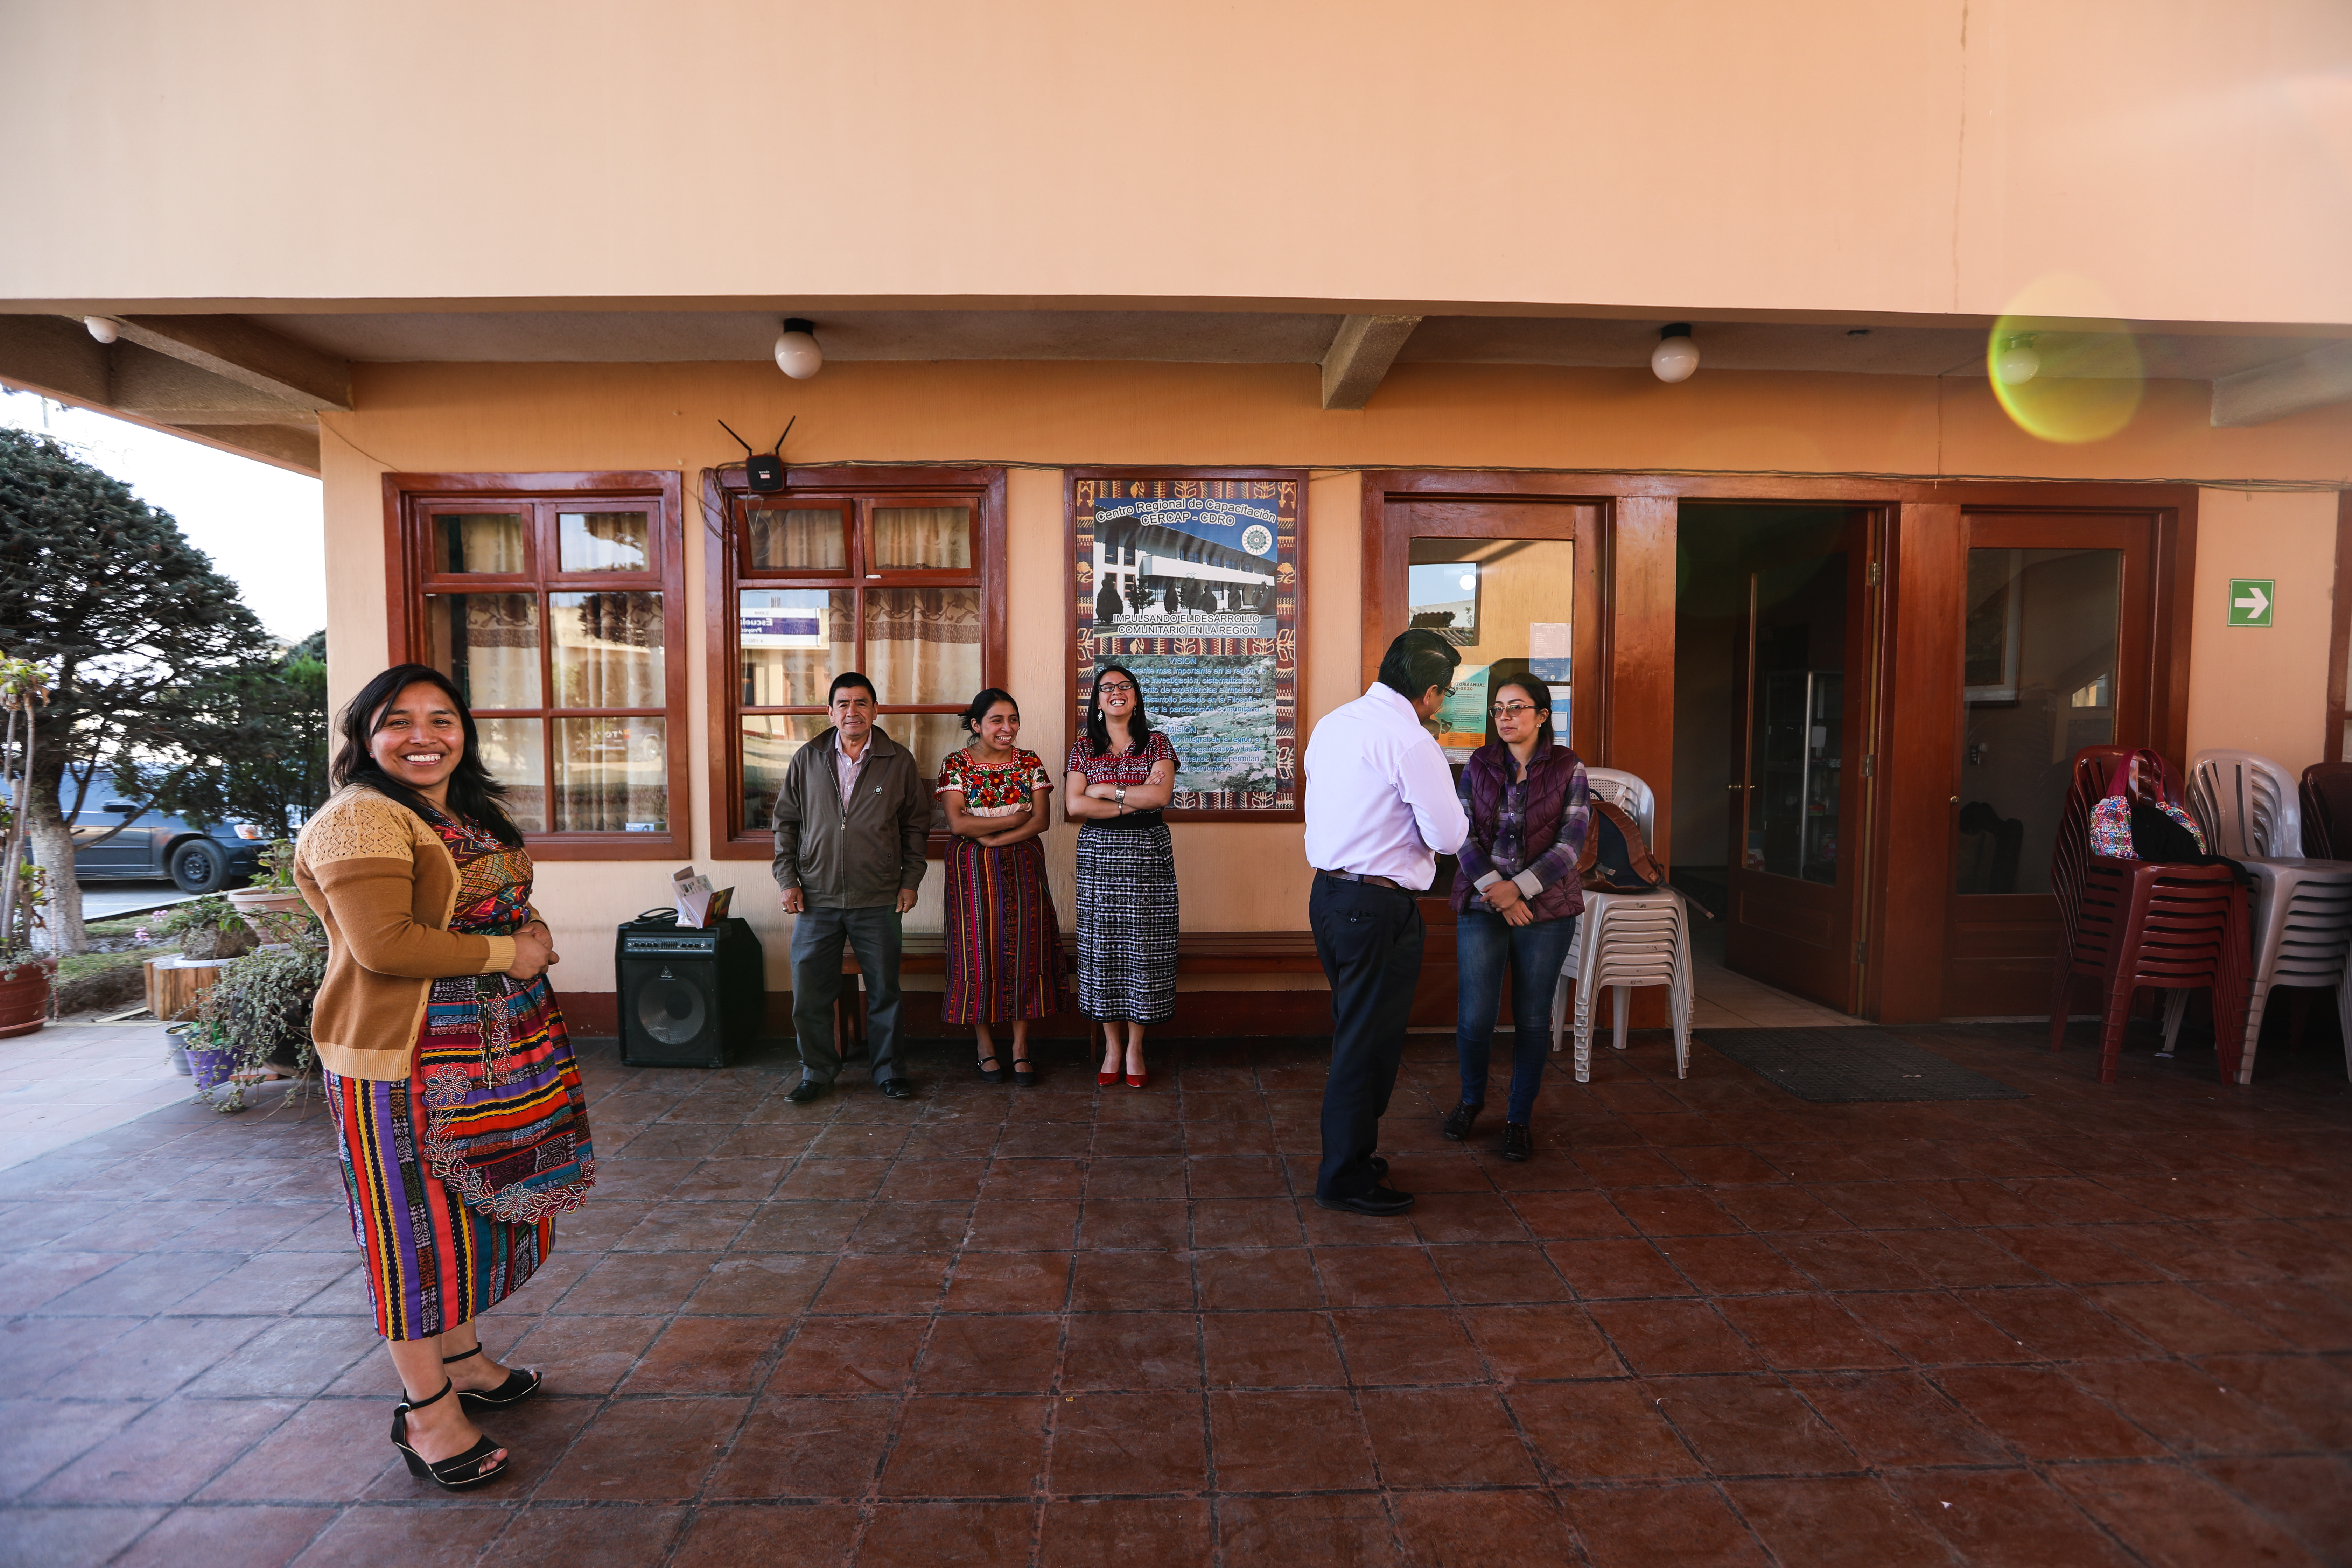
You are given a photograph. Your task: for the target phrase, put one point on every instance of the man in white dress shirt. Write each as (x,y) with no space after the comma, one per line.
(1381,809)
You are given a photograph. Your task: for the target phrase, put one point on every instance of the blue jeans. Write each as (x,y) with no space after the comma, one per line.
(1485,946)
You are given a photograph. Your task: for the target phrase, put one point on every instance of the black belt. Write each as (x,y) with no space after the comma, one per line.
(1389,883)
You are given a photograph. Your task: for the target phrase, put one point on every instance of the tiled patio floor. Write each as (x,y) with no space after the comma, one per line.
(1708,1323)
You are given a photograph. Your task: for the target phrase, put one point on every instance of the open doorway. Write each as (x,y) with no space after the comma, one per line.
(1773,611)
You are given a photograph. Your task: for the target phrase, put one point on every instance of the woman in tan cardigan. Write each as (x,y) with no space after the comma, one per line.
(461,1123)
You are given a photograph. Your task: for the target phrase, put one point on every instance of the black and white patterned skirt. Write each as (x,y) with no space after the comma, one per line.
(1126,924)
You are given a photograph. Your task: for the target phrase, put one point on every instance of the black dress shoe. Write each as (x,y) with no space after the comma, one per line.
(898,1088)
(1380,1166)
(1381,1202)
(1519,1144)
(1458,1122)
(808,1089)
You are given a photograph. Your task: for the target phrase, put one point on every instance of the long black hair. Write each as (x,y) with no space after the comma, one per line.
(1139,724)
(1538,695)
(980,704)
(474,795)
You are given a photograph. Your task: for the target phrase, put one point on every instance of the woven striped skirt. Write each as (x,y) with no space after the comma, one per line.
(1004,944)
(1126,924)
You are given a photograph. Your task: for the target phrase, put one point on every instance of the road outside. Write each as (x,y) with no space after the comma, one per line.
(107,900)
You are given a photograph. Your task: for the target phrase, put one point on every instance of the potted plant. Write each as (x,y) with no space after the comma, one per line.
(209,927)
(271,904)
(25,975)
(257,1016)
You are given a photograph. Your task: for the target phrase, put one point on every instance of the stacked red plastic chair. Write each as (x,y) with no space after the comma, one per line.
(2134,923)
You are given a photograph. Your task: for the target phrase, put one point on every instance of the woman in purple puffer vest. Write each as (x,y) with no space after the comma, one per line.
(1516,898)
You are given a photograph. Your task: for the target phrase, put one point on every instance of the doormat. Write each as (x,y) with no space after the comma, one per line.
(1842,1066)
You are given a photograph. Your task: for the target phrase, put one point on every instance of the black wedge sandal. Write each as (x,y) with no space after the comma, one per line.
(449,1475)
(517,1387)
(1025,1073)
(991,1068)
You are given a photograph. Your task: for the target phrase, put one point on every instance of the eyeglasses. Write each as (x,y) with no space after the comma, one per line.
(1513,710)
(1111,687)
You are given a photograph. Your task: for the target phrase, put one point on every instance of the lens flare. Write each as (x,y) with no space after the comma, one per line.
(2063,367)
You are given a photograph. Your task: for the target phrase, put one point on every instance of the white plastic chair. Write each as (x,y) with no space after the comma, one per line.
(1625,940)
(2302,927)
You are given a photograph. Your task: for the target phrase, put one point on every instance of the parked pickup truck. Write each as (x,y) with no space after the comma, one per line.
(196,859)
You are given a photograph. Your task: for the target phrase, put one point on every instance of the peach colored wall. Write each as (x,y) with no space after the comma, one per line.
(2190,159)
(530,418)
(2263,689)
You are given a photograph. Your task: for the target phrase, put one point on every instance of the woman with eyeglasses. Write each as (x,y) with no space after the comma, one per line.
(1516,898)
(1120,773)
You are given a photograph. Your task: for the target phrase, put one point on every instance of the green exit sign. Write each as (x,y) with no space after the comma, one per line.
(2251,600)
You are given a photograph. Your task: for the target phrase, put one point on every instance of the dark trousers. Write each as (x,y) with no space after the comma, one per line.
(1368,939)
(817,937)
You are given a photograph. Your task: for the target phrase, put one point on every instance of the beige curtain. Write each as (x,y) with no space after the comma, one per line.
(608,649)
(487,644)
(801,539)
(934,537)
(611,776)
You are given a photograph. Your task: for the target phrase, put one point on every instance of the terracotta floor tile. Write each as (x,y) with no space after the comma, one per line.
(1378,1277)
(227,1538)
(419,1534)
(164,1356)
(1932,1327)
(2185,1406)
(992,1354)
(1236,1176)
(710,1355)
(38,1537)
(2057,1324)
(1750,1426)
(1006,1225)
(1270,1350)
(1569,1216)
(1119,1281)
(759,1284)
(1677,1211)
(1444,1438)
(1831,1523)
(1271,1222)
(1408,1345)
(890,1283)
(327,1451)
(1275,1440)
(1135,1225)
(1663,1338)
(1899,1419)
(1540,1342)
(1808,1331)
(948,1535)
(1484,1275)
(2311,1395)
(849,1355)
(1588,1431)
(2311,1497)
(1483,1530)
(1959,1258)
(790,1537)
(708,1226)
(2007,1518)
(1440,1217)
(1850,1260)
(966,1447)
(645,1450)
(2305,1316)
(1130,1442)
(806,1224)
(1008,1282)
(165,1455)
(2174,1516)
(1771,1210)
(792,1447)
(1732,1265)
(2042,1415)
(1131,1350)
(912,1227)
(2074,1255)
(1138,1532)
(35,1349)
(1285,1533)
(1638,1526)
(1599,1271)
(137,1286)
(637,1283)
(2180,1319)
(575,1356)
(1266,1277)
(557,1536)
(47,1435)
(1617,1169)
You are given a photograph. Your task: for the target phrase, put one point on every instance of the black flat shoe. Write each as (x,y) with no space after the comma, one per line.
(1381,1202)
(898,1088)
(450,1475)
(1519,1144)
(991,1069)
(1458,1122)
(1025,1073)
(808,1089)
(517,1387)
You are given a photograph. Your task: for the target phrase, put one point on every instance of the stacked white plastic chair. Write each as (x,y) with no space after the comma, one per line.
(2302,909)
(1625,940)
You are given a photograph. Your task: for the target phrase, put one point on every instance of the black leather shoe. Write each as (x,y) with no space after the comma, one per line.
(1381,1202)
(1519,1144)
(1380,1166)
(1458,1122)
(808,1089)
(898,1088)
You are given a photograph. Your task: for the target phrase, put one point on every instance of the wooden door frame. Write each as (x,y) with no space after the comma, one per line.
(1916,735)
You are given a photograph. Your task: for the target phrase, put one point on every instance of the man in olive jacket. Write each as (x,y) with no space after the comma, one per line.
(851,822)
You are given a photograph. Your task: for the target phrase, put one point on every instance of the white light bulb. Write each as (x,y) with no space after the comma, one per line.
(101,328)
(797,353)
(2016,364)
(1674,359)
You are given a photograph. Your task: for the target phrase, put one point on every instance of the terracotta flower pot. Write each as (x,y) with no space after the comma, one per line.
(23,999)
(267,909)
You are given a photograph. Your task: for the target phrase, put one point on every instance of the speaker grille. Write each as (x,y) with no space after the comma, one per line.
(672,1011)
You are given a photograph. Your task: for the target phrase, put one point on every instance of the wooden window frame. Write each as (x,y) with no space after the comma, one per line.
(726,496)
(410,500)
(2339,635)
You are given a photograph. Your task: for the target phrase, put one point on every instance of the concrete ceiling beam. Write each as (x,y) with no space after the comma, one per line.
(1360,356)
(250,355)
(281,446)
(2269,392)
(54,357)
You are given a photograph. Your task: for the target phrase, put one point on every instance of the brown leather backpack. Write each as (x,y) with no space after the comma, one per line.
(1615,858)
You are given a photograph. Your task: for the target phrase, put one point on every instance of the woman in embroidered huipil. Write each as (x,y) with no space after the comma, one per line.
(1005,946)
(1516,898)
(1122,771)
(461,1123)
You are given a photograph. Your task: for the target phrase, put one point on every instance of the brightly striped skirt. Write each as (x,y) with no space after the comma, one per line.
(1004,944)
(1126,924)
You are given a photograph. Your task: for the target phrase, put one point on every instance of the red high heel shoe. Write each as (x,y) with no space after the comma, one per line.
(1105,1079)
(1135,1080)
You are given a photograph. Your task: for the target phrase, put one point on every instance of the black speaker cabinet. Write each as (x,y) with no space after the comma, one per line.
(688,998)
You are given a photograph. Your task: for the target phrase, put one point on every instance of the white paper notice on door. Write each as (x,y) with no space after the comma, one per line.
(1548,651)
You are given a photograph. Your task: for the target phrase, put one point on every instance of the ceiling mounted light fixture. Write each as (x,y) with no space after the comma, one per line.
(2016,363)
(798,354)
(102,328)
(1676,355)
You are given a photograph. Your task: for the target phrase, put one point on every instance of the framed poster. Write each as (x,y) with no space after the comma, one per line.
(1193,580)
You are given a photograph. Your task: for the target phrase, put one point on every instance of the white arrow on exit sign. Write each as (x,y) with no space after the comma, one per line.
(2254,602)
(2251,599)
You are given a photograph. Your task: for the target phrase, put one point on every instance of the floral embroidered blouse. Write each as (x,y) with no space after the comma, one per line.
(1005,790)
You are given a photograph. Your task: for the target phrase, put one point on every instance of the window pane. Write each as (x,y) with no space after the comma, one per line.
(1797,718)
(1508,604)
(922,645)
(487,644)
(939,537)
(511,751)
(605,541)
(477,541)
(767,742)
(608,649)
(799,540)
(794,641)
(2037,666)
(612,775)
